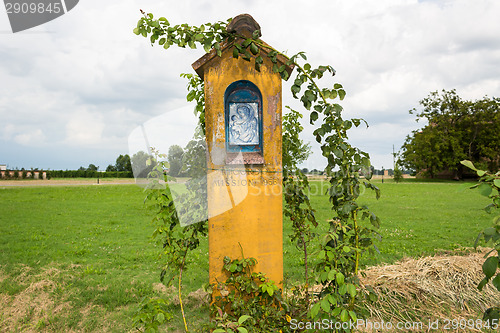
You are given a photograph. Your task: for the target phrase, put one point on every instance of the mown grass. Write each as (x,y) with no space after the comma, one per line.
(95,235)
(91,245)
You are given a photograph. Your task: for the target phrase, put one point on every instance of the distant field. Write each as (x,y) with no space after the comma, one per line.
(419,218)
(80,258)
(66,181)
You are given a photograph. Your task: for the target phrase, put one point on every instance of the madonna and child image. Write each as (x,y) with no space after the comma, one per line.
(243,124)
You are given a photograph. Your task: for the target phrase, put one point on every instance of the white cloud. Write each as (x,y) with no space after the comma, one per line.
(84,128)
(85,80)
(31,138)
(24,135)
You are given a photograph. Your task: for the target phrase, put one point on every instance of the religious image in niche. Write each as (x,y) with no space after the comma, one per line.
(243,124)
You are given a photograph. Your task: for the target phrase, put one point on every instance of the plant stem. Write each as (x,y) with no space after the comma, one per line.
(356,267)
(306,269)
(180,294)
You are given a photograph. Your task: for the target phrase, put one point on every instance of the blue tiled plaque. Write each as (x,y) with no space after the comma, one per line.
(243,124)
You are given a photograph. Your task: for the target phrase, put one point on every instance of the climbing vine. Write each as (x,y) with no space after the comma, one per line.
(296,186)
(489,186)
(351,228)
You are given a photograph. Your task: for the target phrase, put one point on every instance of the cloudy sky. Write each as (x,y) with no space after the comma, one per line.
(83,88)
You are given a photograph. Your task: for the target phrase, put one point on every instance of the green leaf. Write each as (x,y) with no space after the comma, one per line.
(315,310)
(233,267)
(325,305)
(341,94)
(344,315)
(321,255)
(307,67)
(490,231)
(243,318)
(477,239)
(343,289)
(314,117)
(340,278)
(490,267)
(481,284)
(351,289)
(198,37)
(336,312)
(254,49)
(331,275)
(295,89)
(496,281)
(136,31)
(310,95)
(207,46)
(337,86)
(162,41)
(219,330)
(160,317)
(497,182)
(242,330)
(339,153)
(246,43)
(485,189)
(468,164)
(235,53)
(481,173)
(284,75)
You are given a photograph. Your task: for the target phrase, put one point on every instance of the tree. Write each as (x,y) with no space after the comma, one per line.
(175,153)
(92,167)
(142,164)
(111,168)
(397,175)
(194,162)
(457,130)
(123,163)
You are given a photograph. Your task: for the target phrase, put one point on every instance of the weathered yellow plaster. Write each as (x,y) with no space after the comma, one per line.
(244,207)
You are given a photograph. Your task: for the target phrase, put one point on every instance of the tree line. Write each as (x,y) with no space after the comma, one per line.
(456,130)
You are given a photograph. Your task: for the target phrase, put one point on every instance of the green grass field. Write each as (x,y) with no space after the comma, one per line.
(80,258)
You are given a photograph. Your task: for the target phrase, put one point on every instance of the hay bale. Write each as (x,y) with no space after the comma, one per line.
(443,286)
